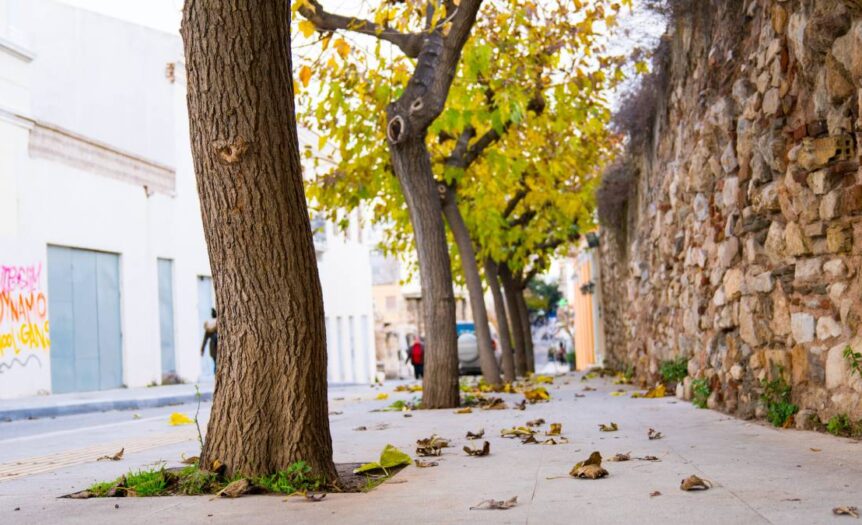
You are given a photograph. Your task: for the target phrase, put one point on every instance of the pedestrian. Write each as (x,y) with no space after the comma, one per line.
(561,354)
(416,357)
(211,335)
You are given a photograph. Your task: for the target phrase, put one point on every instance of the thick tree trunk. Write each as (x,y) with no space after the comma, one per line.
(527,329)
(269,407)
(490,370)
(508,359)
(412,166)
(510,289)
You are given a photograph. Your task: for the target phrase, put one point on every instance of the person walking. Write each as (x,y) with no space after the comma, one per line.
(416,357)
(211,335)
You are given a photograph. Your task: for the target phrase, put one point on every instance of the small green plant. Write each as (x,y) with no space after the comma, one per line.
(199,396)
(145,483)
(193,481)
(674,370)
(776,397)
(101,489)
(839,425)
(855,360)
(700,392)
(295,479)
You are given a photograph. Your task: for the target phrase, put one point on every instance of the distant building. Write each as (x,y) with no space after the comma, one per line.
(580,312)
(105,280)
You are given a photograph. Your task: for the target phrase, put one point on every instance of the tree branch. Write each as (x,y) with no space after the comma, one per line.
(409,43)
(513,202)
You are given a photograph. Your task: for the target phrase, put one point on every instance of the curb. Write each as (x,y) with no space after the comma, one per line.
(18,414)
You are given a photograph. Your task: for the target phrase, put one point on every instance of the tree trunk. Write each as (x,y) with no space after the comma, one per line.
(412,166)
(524,315)
(510,289)
(270,406)
(492,276)
(490,370)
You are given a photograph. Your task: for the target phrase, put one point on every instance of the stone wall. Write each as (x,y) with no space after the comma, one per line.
(741,245)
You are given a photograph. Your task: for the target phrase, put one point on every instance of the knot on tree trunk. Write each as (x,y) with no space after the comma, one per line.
(230,152)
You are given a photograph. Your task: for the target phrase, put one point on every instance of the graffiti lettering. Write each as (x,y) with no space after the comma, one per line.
(23,310)
(23,278)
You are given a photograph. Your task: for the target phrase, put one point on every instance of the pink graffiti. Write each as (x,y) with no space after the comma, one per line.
(23,278)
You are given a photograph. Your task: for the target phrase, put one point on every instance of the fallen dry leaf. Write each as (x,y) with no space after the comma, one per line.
(476,435)
(815,449)
(846,511)
(465,410)
(580,395)
(235,489)
(621,457)
(589,389)
(695,483)
(516,432)
(529,440)
(116,457)
(425,464)
(609,428)
(618,393)
(381,396)
(314,498)
(537,395)
(492,403)
(649,458)
(654,494)
(484,451)
(180,419)
(492,504)
(535,422)
(521,405)
(559,440)
(653,434)
(189,460)
(658,391)
(590,468)
(432,446)
(555,430)
(361,428)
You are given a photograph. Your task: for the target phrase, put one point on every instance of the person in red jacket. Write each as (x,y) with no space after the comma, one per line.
(416,356)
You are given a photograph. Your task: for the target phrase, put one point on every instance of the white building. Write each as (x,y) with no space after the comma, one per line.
(104,275)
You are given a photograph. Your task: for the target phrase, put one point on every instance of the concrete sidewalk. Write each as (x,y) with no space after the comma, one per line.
(102,400)
(760,474)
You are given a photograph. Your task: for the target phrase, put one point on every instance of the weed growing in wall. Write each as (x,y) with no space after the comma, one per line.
(674,370)
(700,392)
(776,397)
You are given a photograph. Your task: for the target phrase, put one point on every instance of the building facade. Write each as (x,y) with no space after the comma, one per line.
(105,280)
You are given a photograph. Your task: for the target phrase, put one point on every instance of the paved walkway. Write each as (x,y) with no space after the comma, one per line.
(760,474)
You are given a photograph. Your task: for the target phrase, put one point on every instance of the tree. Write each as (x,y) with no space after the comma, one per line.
(521,57)
(270,406)
(435,39)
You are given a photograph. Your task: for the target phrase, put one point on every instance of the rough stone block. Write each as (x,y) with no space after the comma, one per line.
(837,369)
(838,239)
(827,327)
(802,327)
(795,241)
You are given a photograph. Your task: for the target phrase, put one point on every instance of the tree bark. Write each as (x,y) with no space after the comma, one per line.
(270,406)
(526,327)
(487,361)
(508,359)
(412,166)
(510,290)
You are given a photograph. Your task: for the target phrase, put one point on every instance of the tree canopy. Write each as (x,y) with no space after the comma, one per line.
(522,136)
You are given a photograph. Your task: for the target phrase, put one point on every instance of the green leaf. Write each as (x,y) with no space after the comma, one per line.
(390,457)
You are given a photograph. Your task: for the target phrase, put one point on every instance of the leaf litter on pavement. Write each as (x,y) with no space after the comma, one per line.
(493,504)
(695,483)
(590,468)
(484,450)
(431,446)
(115,457)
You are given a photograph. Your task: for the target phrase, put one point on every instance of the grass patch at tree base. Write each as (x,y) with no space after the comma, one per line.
(193,481)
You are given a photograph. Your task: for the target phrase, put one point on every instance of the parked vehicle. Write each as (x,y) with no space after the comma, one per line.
(468,347)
